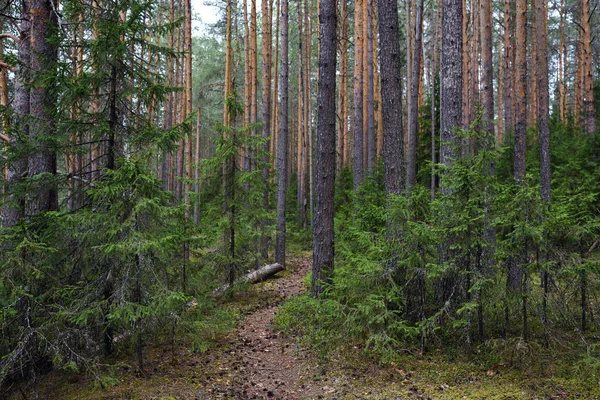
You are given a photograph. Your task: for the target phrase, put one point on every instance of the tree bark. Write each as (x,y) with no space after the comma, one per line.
(520,91)
(413,114)
(508,60)
(370,90)
(391,96)
(487,79)
(588,79)
(12,212)
(541,68)
(323,229)
(282,145)
(266,6)
(358,163)
(44,54)
(451,80)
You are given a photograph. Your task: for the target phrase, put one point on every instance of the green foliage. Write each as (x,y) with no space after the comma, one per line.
(412,272)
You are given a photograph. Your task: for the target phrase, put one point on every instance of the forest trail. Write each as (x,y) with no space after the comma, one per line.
(273,366)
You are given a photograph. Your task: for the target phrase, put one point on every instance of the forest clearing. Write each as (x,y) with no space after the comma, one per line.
(312,199)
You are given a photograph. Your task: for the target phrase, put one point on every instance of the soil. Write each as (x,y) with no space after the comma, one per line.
(273,366)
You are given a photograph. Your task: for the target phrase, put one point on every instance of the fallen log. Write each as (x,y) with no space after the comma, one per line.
(254,277)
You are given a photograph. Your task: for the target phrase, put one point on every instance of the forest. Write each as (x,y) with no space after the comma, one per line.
(305,199)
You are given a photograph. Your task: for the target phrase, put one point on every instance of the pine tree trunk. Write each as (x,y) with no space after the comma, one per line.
(358,163)
(266,7)
(12,211)
(520,91)
(301,142)
(391,96)
(413,114)
(282,145)
(541,68)
(487,79)
(343,87)
(323,229)
(561,65)
(451,80)
(587,71)
(509,68)
(370,90)
(44,54)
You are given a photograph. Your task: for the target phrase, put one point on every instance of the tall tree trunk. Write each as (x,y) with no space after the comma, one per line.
(253,82)
(228,63)
(413,114)
(587,71)
(197,168)
(541,68)
(578,84)
(520,91)
(451,80)
(487,79)
(323,229)
(266,8)
(370,90)
(12,211)
(301,142)
(358,163)
(391,96)
(466,70)
(508,60)
(282,145)
(275,106)
(561,65)
(44,54)
(434,95)
(343,87)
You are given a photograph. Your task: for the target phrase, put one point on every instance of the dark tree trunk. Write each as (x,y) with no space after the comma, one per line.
(323,244)
(12,211)
(282,142)
(451,80)
(391,96)
(413,112)
(42,102)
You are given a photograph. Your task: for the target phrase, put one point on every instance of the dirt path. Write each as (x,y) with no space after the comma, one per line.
(273,366)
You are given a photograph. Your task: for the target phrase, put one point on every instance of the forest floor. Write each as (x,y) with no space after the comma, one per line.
(254,361)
